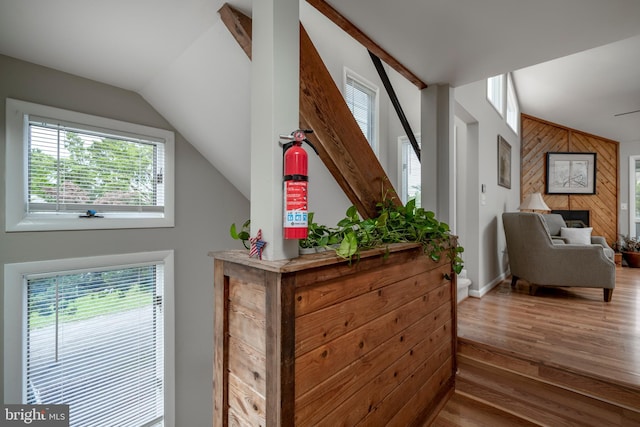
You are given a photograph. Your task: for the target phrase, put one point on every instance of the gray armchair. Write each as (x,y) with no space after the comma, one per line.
(535,258)
(555,223)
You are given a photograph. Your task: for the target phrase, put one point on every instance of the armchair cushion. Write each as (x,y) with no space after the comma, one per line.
(577,236)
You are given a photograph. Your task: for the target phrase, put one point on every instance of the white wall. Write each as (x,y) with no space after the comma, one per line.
(484,241)
(206,205)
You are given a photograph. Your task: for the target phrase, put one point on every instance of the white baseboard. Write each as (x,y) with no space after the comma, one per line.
(486,288)
(463,288)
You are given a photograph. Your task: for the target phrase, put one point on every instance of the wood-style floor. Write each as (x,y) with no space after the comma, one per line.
(568,330)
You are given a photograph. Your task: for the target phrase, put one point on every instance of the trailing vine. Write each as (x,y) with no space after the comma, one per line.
(393,224)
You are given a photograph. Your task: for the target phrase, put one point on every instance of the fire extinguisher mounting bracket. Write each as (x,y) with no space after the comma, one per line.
(296,137)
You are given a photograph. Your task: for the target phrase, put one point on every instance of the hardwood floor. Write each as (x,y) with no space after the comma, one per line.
(564,353)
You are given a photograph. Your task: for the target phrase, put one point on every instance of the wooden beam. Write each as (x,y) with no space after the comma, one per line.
(341,145)
(239,25)
(337,18)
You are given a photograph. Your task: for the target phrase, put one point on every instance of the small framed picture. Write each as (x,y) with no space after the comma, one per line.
(571,173)
(504,163)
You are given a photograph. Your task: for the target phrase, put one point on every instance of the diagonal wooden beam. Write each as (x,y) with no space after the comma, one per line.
(341,145)
(337,18)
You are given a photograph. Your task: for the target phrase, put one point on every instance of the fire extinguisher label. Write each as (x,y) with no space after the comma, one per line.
(295,213)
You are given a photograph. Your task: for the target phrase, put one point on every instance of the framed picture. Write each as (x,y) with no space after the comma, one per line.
(504,163)
(571,173)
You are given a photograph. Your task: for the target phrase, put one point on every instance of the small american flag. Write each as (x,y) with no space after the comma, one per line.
(257,245)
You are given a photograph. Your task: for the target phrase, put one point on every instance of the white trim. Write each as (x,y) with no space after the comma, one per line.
(500,109)
(16,181)
(486,288)
(513,96)
(15,316)
(402,140)
(632,195)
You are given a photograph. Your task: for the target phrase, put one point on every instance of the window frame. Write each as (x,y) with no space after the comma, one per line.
(496,92)
(375,104)
(512,103)
(404,149)
(17,157)
(15,321)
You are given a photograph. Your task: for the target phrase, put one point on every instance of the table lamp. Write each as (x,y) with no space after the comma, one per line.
(534,202)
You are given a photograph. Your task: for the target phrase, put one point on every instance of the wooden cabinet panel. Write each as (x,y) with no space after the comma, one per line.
(315,341)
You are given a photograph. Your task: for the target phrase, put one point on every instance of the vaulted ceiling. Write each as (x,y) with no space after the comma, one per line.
(179,56)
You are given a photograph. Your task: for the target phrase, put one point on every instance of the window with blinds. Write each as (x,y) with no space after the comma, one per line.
(361,100)
(71,171)
(75,168)
(95,341)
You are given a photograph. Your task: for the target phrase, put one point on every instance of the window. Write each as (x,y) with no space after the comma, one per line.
(495,92)
(95,334)
(411,178)
(513,111)
(361,99)
(76,171)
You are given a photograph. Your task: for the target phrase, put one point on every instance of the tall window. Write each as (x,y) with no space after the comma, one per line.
(94,339)
(411,179)
(361,99)
(495,92)
(75,166)
(513,110)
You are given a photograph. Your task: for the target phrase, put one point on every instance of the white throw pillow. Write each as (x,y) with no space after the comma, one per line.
(577,236)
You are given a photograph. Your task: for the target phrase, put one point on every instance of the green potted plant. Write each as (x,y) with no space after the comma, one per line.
(397,224)
(630,248)
(393,224)
(317,237)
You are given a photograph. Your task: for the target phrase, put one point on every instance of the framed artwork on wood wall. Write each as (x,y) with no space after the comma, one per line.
(571,173)
(504,163)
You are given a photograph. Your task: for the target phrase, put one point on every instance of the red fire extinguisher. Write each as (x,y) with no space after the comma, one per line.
(296,180)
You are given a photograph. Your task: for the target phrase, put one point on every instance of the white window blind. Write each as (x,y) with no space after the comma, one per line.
(76,168)
(361,100)
(94,341)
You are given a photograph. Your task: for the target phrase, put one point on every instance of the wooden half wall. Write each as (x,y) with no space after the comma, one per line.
(540,137)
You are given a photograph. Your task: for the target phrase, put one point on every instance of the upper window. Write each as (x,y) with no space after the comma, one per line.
(411,178)
(495,92)
(77,171)
(361,99)
(513,110)
(95,334)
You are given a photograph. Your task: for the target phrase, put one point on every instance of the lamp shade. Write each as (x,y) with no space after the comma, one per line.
(534,202)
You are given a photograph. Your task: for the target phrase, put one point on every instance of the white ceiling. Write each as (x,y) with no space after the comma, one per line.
(181,59)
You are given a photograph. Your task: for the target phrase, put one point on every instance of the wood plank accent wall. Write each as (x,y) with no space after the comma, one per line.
(315,341)
(540,137)
(341,145)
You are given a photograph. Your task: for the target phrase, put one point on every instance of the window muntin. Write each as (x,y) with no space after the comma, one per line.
(98,337)
(361,99)
(513,110)
(495,92)
(66,163)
